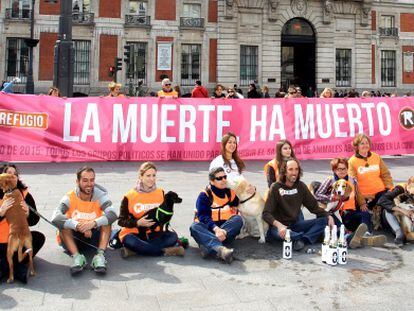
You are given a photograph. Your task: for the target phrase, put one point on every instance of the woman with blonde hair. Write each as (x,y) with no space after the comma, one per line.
(327,93)
(134,235)
(54,91)
(115,89)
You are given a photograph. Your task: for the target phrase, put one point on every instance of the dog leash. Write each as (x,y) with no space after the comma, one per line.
(53,225)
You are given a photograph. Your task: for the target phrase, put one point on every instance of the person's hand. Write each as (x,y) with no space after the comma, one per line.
(5,206)
(221,234)
(161,96)
(250,189)
(88,234)
(25,207)
(85,226)
(281,228)
(364,208)
(331,221)
(145,222)
(408,213)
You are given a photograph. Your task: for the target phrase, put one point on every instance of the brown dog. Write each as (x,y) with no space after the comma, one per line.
(19,234)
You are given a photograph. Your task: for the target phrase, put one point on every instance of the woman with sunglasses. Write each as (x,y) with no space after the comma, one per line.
(216,223)
(231,93)
(20,268)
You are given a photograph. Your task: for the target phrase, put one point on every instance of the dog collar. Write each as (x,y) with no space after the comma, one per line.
(254,193)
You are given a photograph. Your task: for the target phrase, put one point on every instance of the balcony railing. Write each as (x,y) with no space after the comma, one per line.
(133,20)
(82,18)
(388,32)
(18,14)
(191,22)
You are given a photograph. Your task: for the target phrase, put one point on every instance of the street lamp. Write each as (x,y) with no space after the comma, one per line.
(64,56)
(31,43)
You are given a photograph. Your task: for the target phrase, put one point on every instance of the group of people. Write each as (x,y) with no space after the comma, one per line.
(85,215)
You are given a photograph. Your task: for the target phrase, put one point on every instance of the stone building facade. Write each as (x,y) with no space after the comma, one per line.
(361,44)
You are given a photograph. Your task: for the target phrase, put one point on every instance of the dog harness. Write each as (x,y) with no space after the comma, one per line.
(138,204)
(4,225)
(220,209)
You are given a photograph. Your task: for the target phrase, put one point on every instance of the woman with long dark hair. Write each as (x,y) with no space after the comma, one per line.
(284,150)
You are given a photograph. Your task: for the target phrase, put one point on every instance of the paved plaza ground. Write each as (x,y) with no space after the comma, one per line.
(374,278)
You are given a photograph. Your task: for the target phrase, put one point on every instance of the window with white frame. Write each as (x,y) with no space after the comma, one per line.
(17,59)
(343,67)
(190,63)
(81,69)
(81,6)
(388,68)
(192,10)
(139,62)
(20,8)
(387,21)
(248,64)
(138,7)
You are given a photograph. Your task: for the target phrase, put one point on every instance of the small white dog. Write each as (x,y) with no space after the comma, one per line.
(251,208)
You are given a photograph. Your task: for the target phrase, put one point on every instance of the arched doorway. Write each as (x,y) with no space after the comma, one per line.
(298,54)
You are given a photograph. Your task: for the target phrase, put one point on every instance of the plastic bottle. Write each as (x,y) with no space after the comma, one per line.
(325,243)
(332,258)
(287,246)
(342,247)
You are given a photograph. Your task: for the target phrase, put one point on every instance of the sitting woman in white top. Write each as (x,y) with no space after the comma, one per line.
(229,159)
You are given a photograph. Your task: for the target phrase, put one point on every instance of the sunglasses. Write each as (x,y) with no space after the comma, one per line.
(230,91)
(220,177)
(167,84)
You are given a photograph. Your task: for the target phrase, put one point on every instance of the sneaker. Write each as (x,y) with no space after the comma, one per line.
(358,234)
(79,262)
(373,240)
(298,245)
(99,262)
(174,251)
(126,252)
(203,252)
(399,241)
(225,254)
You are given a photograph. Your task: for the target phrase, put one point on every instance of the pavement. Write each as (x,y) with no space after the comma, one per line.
(373,279)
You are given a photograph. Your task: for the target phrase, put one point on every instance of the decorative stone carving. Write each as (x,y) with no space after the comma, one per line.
(327,11)
(299,7)
(229,9)
(365,11)
(273,9)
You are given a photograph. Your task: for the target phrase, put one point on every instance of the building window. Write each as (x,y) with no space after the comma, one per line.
(248,64)
(388,66)
(17,59)
(20,8)
(82,52)
(138,7)
(81,6)
(192,10)
(343,67)
(190,63)
(139,62)
(387,27)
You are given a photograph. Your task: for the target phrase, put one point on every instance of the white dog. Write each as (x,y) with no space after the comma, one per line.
(251,208)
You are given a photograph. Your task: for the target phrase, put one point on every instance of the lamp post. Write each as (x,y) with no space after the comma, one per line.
(31,43)
(64,56)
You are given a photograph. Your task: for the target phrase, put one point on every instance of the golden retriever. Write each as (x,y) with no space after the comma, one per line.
(406,201)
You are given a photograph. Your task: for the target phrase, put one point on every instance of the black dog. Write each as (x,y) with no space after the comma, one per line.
(161,216)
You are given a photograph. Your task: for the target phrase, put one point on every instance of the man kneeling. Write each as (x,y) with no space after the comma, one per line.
(283,207)
(84,217)
(216,220)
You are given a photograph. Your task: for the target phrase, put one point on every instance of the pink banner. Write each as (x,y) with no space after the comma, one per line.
(43,128)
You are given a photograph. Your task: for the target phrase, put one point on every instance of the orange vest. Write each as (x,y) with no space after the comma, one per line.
(139,204)
(350,204)
(173,93)
(272,163)
(4,225)
(220,210)
(368,177)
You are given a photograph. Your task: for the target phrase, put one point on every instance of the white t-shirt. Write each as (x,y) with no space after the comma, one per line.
(231,172)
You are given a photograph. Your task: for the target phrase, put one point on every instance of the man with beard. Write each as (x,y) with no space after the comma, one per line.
(84,216)
(283,207)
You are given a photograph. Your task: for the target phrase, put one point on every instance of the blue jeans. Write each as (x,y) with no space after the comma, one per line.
(353,218)
(307,230)
(207,239)
(152,247)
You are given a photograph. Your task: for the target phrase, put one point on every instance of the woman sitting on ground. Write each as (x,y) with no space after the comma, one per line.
(284,150)
(134,234)
(20,269)
(351,214)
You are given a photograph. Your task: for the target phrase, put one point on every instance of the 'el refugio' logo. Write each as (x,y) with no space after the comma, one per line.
(406,118)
